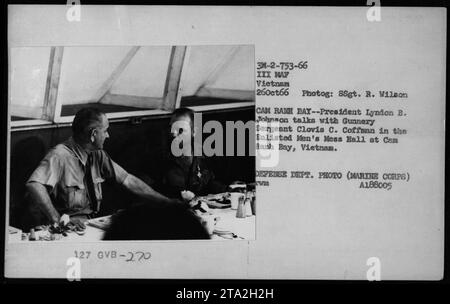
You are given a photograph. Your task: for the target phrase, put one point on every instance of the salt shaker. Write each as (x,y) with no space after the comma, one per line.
(32,235)
(240,213)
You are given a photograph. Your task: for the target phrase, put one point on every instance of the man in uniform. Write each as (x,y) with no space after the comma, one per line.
(187,172)
(69,179)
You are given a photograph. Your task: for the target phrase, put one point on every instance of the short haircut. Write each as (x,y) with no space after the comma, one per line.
(181,112)
(85,120)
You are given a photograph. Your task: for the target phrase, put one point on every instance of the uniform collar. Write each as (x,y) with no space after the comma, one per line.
(78,150)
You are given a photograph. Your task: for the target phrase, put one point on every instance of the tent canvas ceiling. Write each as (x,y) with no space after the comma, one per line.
(126,75)
(28,74)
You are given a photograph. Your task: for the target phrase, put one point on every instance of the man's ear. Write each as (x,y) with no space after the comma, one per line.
(93,133)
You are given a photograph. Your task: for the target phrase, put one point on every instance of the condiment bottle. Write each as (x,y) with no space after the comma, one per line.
(240,213)
(253,202)
(248,204)
(32,235)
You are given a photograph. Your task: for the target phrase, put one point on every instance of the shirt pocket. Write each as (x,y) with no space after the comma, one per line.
(76,196)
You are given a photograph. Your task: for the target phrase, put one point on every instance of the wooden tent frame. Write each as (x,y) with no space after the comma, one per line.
(175,78)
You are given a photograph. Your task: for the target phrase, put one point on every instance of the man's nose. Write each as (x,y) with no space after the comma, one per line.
(107,135)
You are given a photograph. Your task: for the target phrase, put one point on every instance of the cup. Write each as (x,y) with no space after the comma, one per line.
(234,199)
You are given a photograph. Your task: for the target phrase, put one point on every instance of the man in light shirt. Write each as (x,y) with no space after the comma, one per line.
(69,178)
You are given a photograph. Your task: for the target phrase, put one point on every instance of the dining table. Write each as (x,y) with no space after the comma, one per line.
(227,227)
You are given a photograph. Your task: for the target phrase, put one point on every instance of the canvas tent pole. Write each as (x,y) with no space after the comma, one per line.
(106,86)
(52,84)
(183,76)
(177,56)
(215,72)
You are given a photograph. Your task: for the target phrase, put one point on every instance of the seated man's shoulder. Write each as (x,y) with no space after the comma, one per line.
(59,151)
(49,169)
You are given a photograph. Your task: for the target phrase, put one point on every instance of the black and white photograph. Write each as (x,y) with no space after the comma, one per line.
(230,142)
(102,143)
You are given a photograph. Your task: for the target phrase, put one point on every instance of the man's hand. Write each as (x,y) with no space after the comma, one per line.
(64,220)
(187,195)
(71,223)
(77,223)
(66,224)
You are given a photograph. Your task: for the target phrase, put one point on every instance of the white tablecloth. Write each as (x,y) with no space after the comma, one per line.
(244,228)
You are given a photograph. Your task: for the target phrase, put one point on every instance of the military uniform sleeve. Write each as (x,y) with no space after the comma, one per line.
(49,171)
